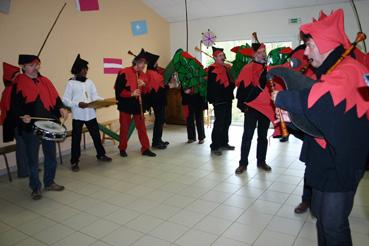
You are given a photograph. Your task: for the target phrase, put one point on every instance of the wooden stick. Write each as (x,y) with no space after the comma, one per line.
(140,99)
(38,118)
(279,112)
(199,50)
(359,38)
(52,27)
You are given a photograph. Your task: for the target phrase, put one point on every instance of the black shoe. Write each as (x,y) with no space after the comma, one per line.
(104,158)
(75,167)
(23,176)
(189,141)
(159,146)
(165,143)
(283,139)
(217,152)
(36,195)
(148,153)
(264,166)
(123,153)
(228,147)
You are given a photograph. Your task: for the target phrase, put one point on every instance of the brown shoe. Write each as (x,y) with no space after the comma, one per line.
(201,141)
(55,187)
(264,166)
(189,141)
(302,208)
(36,195)
(240,169)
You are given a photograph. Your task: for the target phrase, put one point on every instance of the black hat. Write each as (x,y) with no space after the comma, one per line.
(26,59)
(151,59)
(78,65)
(141,56)
(216,50)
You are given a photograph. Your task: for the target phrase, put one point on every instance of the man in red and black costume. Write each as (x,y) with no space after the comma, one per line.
(129,87)
(7,121)
(34,95)
(336,106)
(251,84)
(156,98)
(220,94)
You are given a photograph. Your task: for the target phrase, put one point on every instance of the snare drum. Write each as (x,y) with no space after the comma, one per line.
(49,130)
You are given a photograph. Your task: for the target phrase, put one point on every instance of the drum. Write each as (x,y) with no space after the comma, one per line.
(49,130)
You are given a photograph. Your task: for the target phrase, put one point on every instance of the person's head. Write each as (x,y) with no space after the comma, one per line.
(260,54)
(313,53)
(80,67)
(324,35)
(138,64)
(218,55)
(30,65)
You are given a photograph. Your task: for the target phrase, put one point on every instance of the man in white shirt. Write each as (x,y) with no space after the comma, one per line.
(79,92)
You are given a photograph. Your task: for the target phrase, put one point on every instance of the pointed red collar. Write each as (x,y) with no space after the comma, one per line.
(221,74)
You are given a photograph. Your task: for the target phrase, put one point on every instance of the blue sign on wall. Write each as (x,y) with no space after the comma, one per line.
(139,27)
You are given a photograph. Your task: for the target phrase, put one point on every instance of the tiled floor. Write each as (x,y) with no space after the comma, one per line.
(184,197)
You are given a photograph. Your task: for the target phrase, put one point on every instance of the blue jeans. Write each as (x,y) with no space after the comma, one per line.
(32,143)
(21,156)
(332,210)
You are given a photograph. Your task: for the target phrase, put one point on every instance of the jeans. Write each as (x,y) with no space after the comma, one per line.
(222,122)
(195,113)
(332,210)
(253,118)
(32,143)
(93,129)
(21,156)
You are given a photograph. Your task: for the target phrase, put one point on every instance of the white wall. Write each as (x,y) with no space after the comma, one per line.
(270,26)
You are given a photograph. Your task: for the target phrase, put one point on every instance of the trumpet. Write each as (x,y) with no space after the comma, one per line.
(139,97)
(208,55)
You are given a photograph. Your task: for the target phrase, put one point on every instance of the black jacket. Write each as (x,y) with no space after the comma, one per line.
(217,94)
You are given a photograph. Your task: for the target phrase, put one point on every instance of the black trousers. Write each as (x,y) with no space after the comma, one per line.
(195,113)
(93,129)
(253,118)
(159,112)
(332,210)
(222,122)
(307,192)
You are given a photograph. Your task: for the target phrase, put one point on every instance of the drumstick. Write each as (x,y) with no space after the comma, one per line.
(37,118)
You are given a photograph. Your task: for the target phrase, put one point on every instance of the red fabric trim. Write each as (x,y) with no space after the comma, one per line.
(5,103)
(9,71)
(343,83)
(235,49)
(250,74)
(43,88)
(221,72)
(155,80)
(189,56)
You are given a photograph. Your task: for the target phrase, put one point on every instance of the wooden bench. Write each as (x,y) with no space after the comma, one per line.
(6,150)
(108,124)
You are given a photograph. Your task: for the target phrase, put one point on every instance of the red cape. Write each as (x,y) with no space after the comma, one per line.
(31,90)
(344,87)
(221,74)
(155,80)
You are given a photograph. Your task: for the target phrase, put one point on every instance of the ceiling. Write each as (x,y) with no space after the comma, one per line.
(173,10)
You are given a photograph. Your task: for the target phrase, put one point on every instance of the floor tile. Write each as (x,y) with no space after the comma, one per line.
(122,237)
(53,234)
(144,223)
(284,225)
(100,228)
(213,225)
(151,241)
(196,238)
(169,231)
(268,238)
(76,238)
(244,233)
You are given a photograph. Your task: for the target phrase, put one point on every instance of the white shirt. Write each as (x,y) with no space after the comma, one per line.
(76,92)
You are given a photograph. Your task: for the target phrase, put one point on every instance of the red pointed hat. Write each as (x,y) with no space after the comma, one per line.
(328,32)
(9,71)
